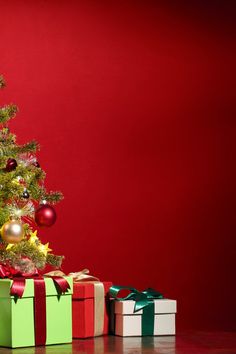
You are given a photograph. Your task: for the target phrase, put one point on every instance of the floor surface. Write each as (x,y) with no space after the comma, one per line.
(183,343)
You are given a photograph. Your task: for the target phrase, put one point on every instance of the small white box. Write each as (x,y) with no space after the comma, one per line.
(127,323)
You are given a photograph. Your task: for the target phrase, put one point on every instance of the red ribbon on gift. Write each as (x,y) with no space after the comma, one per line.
(18,287)
(40,320)
(17,290)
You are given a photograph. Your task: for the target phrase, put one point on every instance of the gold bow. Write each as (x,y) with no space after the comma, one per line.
(82,275)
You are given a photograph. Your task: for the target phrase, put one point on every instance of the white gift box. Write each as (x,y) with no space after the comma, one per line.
(127,323)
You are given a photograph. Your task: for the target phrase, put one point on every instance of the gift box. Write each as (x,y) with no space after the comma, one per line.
(157,318)
(26,322)
(90,309)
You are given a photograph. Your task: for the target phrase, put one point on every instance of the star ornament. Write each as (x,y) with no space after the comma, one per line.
(44,248)
(33,237)
(16,182)
(9,246)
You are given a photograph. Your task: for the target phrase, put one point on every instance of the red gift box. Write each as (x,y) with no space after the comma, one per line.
(90,309)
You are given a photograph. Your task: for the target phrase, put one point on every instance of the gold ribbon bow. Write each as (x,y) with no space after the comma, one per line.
(83,275)
(99,295)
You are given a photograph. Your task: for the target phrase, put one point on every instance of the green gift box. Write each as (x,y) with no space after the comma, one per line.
(17,316)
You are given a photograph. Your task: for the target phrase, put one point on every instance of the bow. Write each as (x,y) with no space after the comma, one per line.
(6,271)
(80,276)
(18,279)
(142,298)
(83,275)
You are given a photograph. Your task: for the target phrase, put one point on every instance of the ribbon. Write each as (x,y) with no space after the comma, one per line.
(40,319)
(99,308)
(99,294)
(18,287)
(60,282)
(143,301)
(18,279)
(7,271)
(83,275)
(80,276)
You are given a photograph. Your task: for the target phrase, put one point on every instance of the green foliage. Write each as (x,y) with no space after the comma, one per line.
(53,197)
(24,249)
(54,261)
(7,112)
(12,188)
(4,213)
(6,137)
(27,175)
(30,147)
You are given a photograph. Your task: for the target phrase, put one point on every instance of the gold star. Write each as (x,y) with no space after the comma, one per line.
(9,246)
(33,237)
(44,248)
(15,181)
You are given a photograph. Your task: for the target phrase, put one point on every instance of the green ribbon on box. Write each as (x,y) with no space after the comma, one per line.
(143,301)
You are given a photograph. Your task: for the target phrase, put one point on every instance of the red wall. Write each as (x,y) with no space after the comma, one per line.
(133,104)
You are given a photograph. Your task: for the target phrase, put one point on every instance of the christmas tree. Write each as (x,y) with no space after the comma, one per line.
(24,202)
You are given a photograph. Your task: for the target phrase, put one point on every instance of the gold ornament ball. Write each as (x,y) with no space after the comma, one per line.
(12,231)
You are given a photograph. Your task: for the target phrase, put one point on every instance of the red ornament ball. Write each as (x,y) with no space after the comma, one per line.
(45,215)
(11,165)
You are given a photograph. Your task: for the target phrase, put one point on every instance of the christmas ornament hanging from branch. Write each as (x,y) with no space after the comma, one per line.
(45,215)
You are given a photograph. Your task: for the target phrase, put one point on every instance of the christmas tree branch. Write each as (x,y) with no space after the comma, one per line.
(13,189)
(6,138)
(54,261)
(30,147)
(4,214)
(7,112)
(53,197)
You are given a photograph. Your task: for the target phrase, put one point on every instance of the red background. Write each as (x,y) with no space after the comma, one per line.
(133,103)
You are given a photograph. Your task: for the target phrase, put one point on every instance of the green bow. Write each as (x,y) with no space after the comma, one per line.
(143,301)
